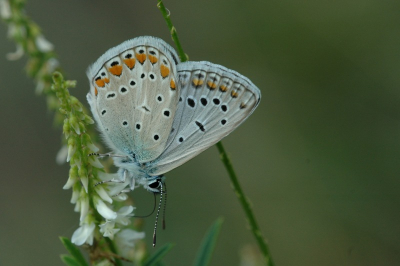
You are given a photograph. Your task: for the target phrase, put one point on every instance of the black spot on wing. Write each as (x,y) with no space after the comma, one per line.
(200,125)
(191,102)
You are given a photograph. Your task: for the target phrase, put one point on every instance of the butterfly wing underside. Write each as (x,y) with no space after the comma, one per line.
(134,96)
(213,102)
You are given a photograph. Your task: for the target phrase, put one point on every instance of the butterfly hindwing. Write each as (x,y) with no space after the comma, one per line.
(134,96)
(213,101)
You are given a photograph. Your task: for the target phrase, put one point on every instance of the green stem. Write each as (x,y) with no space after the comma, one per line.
(172,30)
(245,204)
(224,156)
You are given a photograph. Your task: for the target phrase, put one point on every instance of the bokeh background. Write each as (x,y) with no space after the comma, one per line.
(319,158)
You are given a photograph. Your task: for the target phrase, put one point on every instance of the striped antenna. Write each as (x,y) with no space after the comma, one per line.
(158,212)
(165,206)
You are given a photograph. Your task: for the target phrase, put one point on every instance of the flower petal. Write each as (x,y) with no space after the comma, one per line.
(44,45)
(5,10)
(103,194)
(83,234)
(62,154)
(85,183)
(105,211)
(95,162)
(84,207)
(75,195)
(70,182)
(17,54)
(105,176)
(125,210)
(108,229)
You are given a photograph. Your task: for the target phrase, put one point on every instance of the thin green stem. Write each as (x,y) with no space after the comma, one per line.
(245,204)
(224,156)
(172,30)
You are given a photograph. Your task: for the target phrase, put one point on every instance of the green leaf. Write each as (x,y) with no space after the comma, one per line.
(207,246)
(158,255)
(74,251)
(68,260)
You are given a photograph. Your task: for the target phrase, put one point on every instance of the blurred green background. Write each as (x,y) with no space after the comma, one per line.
(319,158)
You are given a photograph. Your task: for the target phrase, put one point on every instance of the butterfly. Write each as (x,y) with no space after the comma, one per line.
(155,112)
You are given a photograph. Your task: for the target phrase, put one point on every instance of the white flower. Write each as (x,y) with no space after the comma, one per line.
(105,176)
(103,194)
(70,182)
(114,188)
(126,239)
(105,211)
(121,197)
(52,64)
(95,162)
(124,214)
(17,54)
(84,207)
(93,148)
(43,45)
(75,195)
(77,207)
(5,10)
(39,89)
(61,156)
(70,152)
(85,182)
(83,234)
(108,229)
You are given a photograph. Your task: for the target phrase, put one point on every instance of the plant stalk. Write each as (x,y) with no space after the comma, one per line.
(224,156)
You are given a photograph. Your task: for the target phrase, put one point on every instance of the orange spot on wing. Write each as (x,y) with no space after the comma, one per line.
(95,91)
(164,71)
(234,94)
(141,58)
(223,88)
(116,70)
(197,82)
(130,62)
(106,80)
(153,59)
(211,85)
(172,85)
(100,83)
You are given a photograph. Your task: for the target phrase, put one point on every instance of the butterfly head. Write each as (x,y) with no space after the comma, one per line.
(155,185)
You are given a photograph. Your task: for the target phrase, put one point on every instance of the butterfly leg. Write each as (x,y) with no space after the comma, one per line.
(106,155)
(131,186)
(114,180)
(122,191)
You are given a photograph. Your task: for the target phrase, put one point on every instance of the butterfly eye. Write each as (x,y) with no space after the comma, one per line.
(155,184)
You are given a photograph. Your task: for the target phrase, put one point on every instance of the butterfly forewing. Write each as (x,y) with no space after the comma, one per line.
(213,102)
(134,96)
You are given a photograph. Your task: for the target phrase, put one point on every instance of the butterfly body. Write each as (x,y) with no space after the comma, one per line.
(156,113)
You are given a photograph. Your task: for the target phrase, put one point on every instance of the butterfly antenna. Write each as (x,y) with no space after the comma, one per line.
(165,206)
(154,208)
(158,212)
